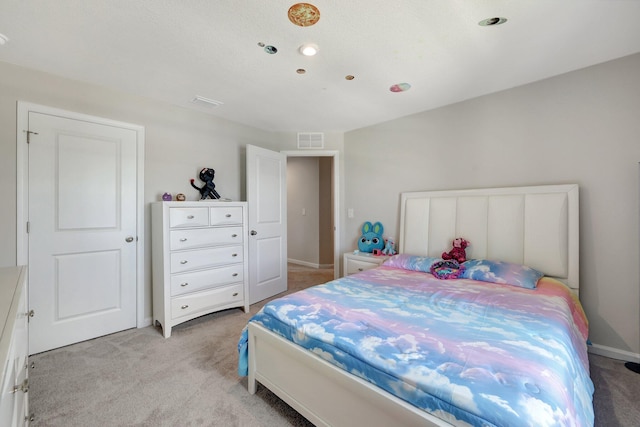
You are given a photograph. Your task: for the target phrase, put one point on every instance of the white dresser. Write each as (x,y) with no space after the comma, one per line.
(14,347)
(199,260)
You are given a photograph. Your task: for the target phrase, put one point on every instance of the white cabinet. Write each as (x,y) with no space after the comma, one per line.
(200,260)
(357,262)
(14,347)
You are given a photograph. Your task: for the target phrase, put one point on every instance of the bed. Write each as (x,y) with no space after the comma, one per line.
(499,346)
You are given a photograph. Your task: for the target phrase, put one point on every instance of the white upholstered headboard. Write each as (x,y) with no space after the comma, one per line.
(533,226)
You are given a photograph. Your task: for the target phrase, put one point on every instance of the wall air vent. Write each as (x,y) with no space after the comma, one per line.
(206,102)
(311,140)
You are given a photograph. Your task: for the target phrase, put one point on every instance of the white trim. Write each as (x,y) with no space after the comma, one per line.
(335,195)
(614,353)
(308,264)
(22,186)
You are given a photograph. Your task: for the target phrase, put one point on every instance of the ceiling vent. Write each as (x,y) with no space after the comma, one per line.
(310,140)
(206,102)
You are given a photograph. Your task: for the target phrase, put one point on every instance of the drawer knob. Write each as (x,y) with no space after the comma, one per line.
(189,216)
(234,235)
(23,387)
(184,261)
(360,269)
(234,274)
(185,306)
(184,239)
(228,215)
(184,284)
(235,294)
(234,254)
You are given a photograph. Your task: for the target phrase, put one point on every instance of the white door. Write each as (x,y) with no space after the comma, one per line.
(82,230)
(267,197)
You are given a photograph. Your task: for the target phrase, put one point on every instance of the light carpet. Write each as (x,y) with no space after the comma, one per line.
(138,378)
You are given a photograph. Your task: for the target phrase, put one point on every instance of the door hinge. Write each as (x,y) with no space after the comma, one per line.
(28,132)
(28,227)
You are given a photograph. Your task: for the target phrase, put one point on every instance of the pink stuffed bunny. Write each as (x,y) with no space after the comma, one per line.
(457,253)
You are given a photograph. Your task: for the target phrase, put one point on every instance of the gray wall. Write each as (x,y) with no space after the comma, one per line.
(302,195)
(326,221)
(309,235)
(582,127)
(179,142)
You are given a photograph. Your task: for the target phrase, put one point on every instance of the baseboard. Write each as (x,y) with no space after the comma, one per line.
(614,353)
(309,264)
(147,321)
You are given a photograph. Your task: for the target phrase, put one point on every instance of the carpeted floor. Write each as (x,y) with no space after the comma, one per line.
(137,378)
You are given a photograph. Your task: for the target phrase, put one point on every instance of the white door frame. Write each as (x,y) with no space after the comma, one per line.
(22,208)
(335,194)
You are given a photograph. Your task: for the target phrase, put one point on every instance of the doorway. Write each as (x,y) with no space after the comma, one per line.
(312,205)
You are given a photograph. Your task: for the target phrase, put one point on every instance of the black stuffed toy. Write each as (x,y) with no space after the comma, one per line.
(209,188)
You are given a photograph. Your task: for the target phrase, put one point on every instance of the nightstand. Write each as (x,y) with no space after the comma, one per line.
(361,261)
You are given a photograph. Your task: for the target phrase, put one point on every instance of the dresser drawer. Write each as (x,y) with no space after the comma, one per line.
(205,258)
(226,215)
(205,300)
(188,217)
(189,239)
(199,280)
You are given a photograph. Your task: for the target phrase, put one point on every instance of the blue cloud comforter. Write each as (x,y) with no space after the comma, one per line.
(469,352)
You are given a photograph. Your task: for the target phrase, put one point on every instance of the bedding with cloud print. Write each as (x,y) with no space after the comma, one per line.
(469,352)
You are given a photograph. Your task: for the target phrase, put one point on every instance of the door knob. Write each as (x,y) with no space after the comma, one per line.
(254,232)
(129,239)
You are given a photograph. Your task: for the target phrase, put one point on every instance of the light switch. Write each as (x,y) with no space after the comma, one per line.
(350,213)
(304,211)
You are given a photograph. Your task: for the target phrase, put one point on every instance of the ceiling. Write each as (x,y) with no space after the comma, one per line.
(175,50)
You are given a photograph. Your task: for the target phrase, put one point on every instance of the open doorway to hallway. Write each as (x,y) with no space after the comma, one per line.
(310,211)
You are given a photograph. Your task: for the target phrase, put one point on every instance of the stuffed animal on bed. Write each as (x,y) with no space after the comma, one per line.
(458,252)
(371,237)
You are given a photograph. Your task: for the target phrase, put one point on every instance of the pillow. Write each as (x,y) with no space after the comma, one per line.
(502,272)
(411,262)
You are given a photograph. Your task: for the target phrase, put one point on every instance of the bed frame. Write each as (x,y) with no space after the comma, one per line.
(534,226)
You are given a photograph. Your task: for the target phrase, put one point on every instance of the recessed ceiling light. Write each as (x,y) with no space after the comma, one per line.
(270,49)
(3,39)
(492,21)
(349,77)
(301,71)
(308,49)
(303,14)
